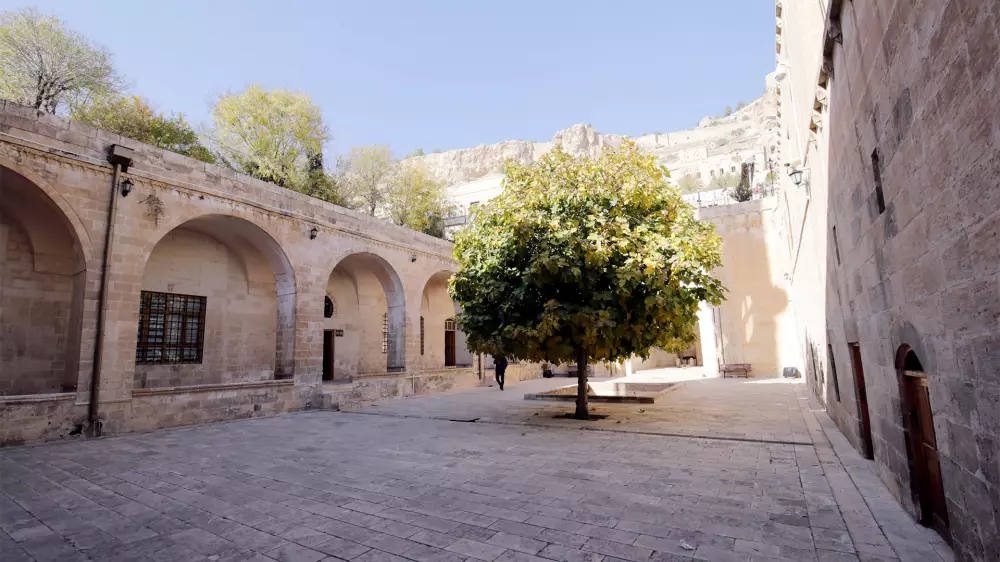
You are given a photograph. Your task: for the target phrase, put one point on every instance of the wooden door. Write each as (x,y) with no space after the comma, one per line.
(328,354)
(923,444)
(449,348)
(862,393)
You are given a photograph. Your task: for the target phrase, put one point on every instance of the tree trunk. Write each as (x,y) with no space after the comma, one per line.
(582,413)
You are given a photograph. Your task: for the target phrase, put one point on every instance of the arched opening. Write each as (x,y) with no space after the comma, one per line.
(42,285)
(366,336)
(926,484)
(217,306)
(443,344)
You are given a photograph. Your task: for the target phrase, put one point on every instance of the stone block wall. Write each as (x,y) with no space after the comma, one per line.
(753,324)
(191,228)
(913,97)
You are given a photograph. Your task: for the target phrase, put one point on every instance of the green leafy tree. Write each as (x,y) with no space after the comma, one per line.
(727,111)
(740,105)
(725,180)
(582,260)
(270,135)
(416,199)
(415,152)
(365,175)
(689,183)
(321,184)
(44,65)
(743,192)
(132,117)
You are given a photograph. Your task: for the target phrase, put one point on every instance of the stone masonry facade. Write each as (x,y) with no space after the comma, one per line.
(901,237)
(189,228)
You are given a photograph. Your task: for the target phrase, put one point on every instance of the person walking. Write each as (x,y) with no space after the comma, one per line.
(500,366)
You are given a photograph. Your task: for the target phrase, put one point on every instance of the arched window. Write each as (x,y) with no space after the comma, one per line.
(449,325)
(329,307)
(421,335)
(385,333)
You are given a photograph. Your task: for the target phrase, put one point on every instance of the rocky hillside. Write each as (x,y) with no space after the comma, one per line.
(752,127)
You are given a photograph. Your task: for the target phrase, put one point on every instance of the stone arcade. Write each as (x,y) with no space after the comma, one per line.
(225,294)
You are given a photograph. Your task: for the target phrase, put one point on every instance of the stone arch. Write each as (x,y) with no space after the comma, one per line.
(436,308)
(9,171)
(248,285)
(44,256)
(367,290)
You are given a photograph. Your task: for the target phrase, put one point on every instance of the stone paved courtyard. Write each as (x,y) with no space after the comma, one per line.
(719,470)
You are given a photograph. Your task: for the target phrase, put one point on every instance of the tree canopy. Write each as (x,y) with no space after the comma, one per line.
(416,199)
(44,65)
(269,134)
(689,183)
(365,175)
(132,117)
(582,260)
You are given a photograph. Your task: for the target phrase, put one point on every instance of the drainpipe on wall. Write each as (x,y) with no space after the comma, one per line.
(121,157)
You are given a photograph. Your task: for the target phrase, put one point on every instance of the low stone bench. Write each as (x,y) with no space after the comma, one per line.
(736,370)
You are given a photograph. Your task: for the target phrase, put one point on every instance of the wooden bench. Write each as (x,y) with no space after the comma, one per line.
(736,370)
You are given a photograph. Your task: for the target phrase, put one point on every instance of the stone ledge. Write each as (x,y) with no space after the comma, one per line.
(210,387)
(36,398)
(401,375)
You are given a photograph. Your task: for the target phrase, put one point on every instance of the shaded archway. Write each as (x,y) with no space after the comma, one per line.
(217,306)
(926,484)
(42,290)
(369,325)
(442,344)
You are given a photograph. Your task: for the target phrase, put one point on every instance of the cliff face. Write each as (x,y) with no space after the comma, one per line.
(751,127)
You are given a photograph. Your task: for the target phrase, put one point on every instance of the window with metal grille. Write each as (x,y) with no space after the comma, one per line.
(329,307)
(171,328)
(421,335)
(385,333)
(449,325)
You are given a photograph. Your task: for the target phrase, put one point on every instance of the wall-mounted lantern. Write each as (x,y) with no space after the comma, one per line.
(313,233)
(126,187)
(797,175)
(413,258)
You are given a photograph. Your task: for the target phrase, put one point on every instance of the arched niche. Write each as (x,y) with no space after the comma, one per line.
(443,344)
(43,274)
(238,278)
(369,327)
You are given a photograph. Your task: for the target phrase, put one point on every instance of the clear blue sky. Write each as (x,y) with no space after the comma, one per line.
(444,73)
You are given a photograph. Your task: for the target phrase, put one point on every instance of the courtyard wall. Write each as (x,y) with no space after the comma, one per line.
(894,110)
(187,228)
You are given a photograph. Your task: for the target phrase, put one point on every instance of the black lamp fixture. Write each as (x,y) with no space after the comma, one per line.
(413,258)
(796,175)
(126,187)
(313,233)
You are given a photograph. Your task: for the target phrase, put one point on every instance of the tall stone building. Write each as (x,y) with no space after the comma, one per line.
(889,112)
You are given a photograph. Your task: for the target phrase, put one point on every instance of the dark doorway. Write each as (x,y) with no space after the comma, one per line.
(449,342)
(921,443)
(328,354)
(861,391)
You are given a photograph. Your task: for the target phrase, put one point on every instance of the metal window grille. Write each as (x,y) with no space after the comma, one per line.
(171,328)
(329,307)
(385,333)
(421,335)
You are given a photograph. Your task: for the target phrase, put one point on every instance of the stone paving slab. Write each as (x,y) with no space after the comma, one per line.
(754,409)
(347,486)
